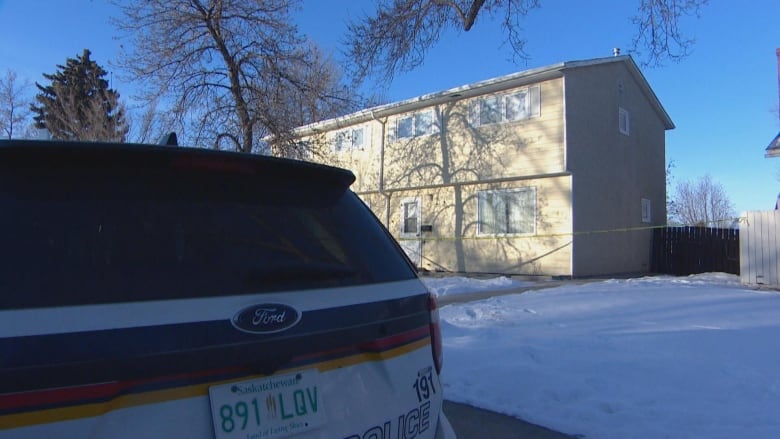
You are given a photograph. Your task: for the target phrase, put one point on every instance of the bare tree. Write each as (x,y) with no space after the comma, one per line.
(14,105)
(291,107)
(145,123)
(701,203)
(233,72)
(659,32)
(399,33)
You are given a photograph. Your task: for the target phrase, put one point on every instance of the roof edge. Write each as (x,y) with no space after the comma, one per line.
(480,88)
(773,149)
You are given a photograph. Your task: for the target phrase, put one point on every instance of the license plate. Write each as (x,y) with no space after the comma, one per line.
(278,406)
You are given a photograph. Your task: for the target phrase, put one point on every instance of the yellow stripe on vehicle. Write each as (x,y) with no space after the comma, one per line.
(184,392)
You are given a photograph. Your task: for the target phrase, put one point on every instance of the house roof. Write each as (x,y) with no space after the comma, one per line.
(501,83)
(773,150)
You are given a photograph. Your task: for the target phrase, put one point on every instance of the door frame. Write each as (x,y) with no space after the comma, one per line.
(411,240)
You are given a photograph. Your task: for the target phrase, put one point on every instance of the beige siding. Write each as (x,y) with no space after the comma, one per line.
(612,171)
(363,162)
(461,152)
(455,245)
(589,178)
(455,160)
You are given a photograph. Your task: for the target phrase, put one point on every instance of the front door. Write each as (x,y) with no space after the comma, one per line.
(410,229)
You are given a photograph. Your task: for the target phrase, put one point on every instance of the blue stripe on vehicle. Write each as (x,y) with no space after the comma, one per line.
(35,362)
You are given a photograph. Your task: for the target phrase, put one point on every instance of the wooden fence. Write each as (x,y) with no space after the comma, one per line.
(690,250)
(759,252)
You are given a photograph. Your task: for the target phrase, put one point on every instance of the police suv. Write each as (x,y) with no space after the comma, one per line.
(150,291)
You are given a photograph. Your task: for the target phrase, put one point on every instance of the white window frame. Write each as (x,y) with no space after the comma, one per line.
(624,121)
(492,106)
(417,202)
(482,197)
(530,107)
(410,119)
(524,110)
(359,142)
(417,128)
(424,127)
(340,139)
(347,139)
(647,211)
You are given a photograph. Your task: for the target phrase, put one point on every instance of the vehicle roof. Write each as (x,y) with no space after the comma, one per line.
(42,153)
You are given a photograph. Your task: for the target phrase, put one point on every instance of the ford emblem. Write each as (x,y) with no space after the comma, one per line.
(266,318)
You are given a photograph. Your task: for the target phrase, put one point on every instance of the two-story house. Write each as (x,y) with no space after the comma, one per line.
(558,170)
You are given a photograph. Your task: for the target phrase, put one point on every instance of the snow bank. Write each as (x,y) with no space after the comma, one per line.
(654,357)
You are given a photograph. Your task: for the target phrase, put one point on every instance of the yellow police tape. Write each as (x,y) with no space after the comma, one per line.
(549,235)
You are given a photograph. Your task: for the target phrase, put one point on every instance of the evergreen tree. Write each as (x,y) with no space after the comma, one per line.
(79,105)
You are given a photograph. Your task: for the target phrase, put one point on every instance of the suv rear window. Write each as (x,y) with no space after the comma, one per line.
(112,233)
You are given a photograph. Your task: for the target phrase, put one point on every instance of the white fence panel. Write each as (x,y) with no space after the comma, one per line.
(759,235)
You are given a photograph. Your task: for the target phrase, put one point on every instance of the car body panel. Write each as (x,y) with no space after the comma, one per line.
(146,284)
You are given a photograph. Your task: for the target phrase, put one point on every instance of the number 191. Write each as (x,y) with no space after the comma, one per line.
(424,387)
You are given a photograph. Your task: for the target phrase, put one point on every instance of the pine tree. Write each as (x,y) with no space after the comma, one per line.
(79,105)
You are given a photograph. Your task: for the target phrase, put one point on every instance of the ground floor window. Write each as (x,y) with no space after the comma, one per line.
(646,211)
(507,211)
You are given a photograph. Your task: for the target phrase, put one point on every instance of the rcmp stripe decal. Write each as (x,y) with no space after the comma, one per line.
(45,406)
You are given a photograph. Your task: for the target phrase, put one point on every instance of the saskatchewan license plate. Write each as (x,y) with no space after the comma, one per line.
(265,408)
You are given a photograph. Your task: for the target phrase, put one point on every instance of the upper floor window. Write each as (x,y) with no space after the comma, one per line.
(624,121)
(352,138)
(507,211)
(489,110)
(506,107)
(414,125)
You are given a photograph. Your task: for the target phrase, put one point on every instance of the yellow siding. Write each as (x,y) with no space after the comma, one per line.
(571,151)
(458,160)
(460,152)
(455,245)
(363,162)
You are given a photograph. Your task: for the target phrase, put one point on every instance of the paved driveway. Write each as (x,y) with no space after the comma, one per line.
(473,423)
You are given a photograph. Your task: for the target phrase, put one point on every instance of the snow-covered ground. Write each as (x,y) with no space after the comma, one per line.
(655,357)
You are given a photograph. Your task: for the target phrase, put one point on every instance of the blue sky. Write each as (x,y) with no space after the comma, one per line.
(723,98)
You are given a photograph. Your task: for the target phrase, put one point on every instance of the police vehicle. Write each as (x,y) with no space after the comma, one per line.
(150,291)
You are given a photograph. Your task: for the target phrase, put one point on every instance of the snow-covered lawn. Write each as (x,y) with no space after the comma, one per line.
(655,357)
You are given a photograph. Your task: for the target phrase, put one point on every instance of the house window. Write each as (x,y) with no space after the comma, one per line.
(358,139)
(506,107)
(624,121)
(646,211)
(423,123)
(416,124)
(349,139)
(489,110)
(516,106)
(405,127)
(507,211)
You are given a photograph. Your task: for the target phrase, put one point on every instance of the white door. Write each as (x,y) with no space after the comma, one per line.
(410,229)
